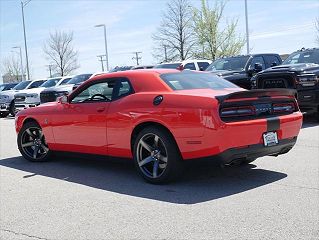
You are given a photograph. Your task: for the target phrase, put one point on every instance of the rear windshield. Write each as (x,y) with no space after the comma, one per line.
(168,65)
(22,85)
(194,80)
(79,78)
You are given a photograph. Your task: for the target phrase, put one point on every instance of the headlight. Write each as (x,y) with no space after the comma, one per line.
(4,98)
(307,79)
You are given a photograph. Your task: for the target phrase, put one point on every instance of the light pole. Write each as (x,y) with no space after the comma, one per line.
(20,61)
(247,30)
(105,41)
(23,4)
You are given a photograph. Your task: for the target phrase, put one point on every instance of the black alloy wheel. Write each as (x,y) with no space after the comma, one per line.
(156,155)
(32,144)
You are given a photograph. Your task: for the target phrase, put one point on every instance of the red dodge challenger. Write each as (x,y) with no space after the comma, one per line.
(160,118)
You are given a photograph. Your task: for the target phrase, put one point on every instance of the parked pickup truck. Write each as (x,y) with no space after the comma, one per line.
(240,69)
(299,71)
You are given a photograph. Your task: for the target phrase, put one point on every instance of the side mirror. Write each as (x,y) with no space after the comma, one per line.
(201,69)
(273,64)
(63,99)
(258,67)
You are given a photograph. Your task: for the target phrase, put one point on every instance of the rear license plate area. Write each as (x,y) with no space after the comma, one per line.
(270,139)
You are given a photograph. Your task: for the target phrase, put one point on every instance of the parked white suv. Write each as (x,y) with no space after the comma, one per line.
(7,97)
(31,97)
(196,65)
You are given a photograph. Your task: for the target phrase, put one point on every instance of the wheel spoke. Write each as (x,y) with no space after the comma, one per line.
(145,161)
(155,168)
(44,148)
(30,133)
(163,158)
(156,138)
(28,144)
(146,146)
(40,134)
(35,153)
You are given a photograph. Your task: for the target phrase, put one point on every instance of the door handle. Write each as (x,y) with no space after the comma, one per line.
(100,109)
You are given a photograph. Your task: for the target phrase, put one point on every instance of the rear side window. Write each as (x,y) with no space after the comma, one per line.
(272,60)
(202,65)
(195,80)
(190,66)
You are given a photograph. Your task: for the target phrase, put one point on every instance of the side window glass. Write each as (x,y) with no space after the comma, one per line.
(99,92)
(36,84)
(272,61)
(123,89)
(259,60)
(190,66)
(203,65)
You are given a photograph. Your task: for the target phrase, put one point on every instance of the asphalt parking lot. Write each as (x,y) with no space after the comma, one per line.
(69,198)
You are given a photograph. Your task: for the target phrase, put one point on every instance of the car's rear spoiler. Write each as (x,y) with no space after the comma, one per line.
(258,93)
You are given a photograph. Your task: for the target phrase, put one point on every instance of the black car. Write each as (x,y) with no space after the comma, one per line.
(299,71)
(240,69)
(7,86)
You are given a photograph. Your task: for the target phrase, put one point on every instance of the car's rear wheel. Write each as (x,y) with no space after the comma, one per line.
(156,155)
(32,144)
(4,114)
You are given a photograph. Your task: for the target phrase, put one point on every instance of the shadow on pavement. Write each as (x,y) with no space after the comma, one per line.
(309,121)
(200,182)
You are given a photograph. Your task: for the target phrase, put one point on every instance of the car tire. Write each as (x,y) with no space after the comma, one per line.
(31,143)
(248,161)
(4,114)
(156,156)
(12,109)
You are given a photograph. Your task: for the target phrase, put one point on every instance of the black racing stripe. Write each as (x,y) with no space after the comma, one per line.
(273,124)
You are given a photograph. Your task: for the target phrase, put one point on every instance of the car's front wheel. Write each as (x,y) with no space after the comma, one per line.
(156,155)
(32,144)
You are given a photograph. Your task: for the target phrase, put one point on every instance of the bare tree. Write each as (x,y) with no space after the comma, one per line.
(11,65)
(174,37)
(213,38)
(59,50)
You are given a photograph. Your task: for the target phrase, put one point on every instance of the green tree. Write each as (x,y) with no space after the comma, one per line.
(214,38)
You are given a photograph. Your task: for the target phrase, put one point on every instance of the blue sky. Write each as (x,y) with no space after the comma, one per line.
(274,26)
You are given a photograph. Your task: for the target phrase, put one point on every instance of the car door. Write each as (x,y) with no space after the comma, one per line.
(80,125)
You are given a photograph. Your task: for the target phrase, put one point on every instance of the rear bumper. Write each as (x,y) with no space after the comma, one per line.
(241,136)
(255,151)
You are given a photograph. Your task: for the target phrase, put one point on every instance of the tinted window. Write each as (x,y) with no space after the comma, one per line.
(202,65)
(190,66)
(36,84)
(50,82)
(168,65)
(22,85)
(120,69)
(123,88)
(79,78)
(65,81)
(303,57)
(102,88)
(272,60)
(195,80)
(229,64)
(259,60)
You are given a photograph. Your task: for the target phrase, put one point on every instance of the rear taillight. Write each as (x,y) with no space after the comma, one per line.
(283,107)
(238,111)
